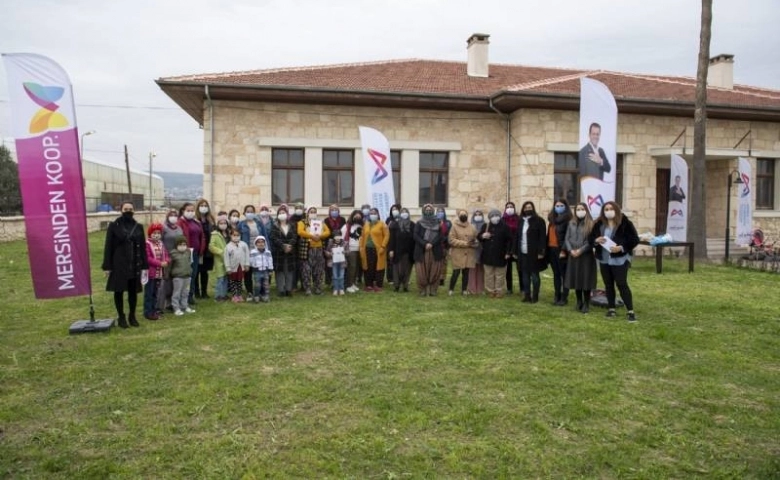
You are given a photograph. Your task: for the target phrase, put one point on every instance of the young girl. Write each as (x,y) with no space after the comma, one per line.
(158,259)
(236,264)
(262,263)
(217,244)
(181,272)
(336,253)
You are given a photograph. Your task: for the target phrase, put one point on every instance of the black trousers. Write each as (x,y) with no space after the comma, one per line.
(617,275)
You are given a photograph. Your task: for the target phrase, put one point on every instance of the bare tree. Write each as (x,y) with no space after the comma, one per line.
(698,199)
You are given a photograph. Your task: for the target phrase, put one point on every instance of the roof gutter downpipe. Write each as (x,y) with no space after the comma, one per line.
(211,144)
(508,119)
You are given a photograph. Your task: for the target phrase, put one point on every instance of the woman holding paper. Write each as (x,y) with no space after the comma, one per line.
(614,238)
(315,232)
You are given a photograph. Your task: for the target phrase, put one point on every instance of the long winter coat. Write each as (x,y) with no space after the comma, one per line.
(380,235)
(278,240)
(496,248)
(462,240)
(124,254)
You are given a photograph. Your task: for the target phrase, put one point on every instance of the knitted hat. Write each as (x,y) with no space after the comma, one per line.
(155,227)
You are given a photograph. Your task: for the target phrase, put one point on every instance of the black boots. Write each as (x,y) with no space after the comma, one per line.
(132,320)
(121,321)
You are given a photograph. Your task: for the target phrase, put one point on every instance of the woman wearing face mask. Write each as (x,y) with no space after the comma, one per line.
(496,241)
(428,251)
(392,216)
(250,230)
(315,232)
(529,247)
(401,249)
(206,219)
(171,231)
(234,218)
(615,238)
(265,221)
(219,239)
(124,262)
(295,215)
(581,270)
(557,255)
(512,220)
(334,221)
(373,251)
(463,242)
(351,233)
(284,239)
(477,274)
(196,240)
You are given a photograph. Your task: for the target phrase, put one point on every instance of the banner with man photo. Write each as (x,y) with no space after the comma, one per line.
(598,140)
(378,168)
(677,216)
(745,205)
(43,123)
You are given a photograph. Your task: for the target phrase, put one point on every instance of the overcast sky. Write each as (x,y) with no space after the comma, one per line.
(114,50)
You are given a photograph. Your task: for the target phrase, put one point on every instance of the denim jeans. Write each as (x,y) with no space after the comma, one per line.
(338,276)
(221,288)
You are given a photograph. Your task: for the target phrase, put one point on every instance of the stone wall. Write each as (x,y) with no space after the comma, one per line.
(12,228)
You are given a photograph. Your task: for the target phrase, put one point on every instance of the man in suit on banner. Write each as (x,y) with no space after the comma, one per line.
(676,193)
(592,159)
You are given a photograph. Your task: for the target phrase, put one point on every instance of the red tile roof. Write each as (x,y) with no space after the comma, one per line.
(429,78)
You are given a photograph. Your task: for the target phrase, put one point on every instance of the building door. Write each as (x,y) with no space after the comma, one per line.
(662,181)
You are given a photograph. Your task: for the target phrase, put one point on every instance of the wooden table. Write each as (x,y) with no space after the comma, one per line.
(659,253)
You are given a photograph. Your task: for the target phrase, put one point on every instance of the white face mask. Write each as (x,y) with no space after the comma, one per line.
(395,213)
(235,239)
(189,215)
(610,214)
(313,216)
(203,210)
(298,211)
(581,214)
(182,248)
(405,216)
(264,214)
(477,218)
(374,217)
(495,220)
(222,226)
(173,219)
(234,219)
(510,211)
(282,217)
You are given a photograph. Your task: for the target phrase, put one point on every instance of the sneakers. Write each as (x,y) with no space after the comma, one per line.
(631,316)
(237,299)
(611,313)
(189,310)
(179,313)
(335,293)
(450,293)
(341,292)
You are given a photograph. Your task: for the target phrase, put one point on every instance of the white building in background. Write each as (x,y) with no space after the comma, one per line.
(105,186)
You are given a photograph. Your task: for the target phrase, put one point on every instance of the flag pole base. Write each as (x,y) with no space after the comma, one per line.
(91,326)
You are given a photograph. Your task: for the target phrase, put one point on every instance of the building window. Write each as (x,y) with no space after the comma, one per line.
(395,159)
(567,172)
(765,184)
(287,175)
(434,176)
(338,178)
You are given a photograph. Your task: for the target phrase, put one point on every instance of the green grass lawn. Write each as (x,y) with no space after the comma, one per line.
(390,386)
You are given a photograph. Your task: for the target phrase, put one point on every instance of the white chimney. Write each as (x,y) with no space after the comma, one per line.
(721,71)
(477,55)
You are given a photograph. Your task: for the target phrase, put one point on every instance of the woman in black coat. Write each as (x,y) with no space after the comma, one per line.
(616,230)
(496,240)
(124,260)
(530,244)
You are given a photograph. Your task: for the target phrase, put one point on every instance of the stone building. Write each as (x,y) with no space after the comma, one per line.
(472,134)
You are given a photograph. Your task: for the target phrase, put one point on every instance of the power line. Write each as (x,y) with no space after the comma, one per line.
(132,107)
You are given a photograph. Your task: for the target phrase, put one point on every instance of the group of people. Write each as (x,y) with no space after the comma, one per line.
(172,261)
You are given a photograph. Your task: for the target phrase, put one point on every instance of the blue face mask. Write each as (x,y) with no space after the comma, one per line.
(440,215)
(560,209)
(366,212)
(334,214)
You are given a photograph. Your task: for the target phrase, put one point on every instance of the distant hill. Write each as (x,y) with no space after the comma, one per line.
(179,180)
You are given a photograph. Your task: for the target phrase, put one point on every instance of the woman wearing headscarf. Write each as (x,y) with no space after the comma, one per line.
(373,248)
(315,232)
(557,255)
(428,251)
(530,246)
(512,220)
(581,270)
(496,243)
(463,243)
(477,274)
(446,224)
(124,260)
(401,249)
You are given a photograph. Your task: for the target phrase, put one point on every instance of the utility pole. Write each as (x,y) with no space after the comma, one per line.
(127,167)
(151,196)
